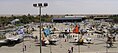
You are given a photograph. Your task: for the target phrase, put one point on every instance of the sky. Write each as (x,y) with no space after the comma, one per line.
(60,7)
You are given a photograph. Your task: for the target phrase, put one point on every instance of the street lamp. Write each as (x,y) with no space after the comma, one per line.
(40,5)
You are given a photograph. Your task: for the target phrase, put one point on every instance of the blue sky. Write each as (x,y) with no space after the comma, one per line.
(60,7)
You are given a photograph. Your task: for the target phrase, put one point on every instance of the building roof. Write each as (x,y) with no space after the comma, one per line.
(100,17)
(69,18)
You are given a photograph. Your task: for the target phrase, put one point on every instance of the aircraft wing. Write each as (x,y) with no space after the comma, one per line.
(53,40)
(15,38)
(12,38)
(2,41)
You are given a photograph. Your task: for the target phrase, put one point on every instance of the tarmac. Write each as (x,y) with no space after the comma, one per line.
(60,47)
(99,46)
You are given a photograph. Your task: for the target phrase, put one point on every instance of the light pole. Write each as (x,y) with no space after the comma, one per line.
(40,5)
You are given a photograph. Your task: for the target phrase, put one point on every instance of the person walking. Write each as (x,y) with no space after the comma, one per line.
(36,38)
(72,49)
(24,47)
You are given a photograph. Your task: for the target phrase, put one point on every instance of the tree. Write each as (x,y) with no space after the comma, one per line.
(114,17)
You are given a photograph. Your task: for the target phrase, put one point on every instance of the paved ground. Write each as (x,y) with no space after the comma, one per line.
(61,46)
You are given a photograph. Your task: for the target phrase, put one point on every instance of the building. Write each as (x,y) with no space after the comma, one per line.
(69,19)
(99,18)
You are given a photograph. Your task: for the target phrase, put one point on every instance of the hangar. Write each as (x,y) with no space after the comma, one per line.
(68,19)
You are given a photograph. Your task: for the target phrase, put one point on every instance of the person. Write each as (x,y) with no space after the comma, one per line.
(81,40)
(36,38)
(65,40)
(109,41)
(63,36)
(24,47)
(69,51)
(72,49)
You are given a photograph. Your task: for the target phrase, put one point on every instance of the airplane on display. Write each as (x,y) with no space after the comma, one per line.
(12,37)
(15,39)
(78,38)
(48,37)
(11,40)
